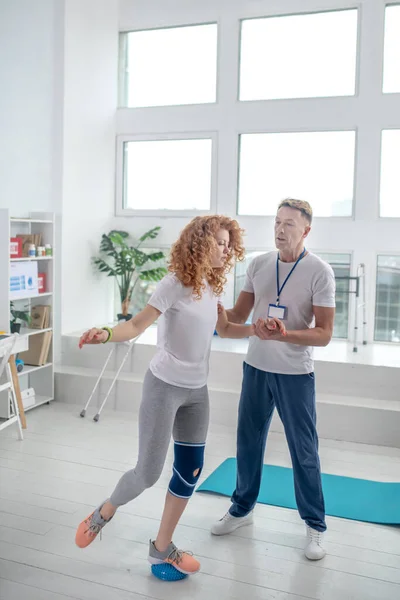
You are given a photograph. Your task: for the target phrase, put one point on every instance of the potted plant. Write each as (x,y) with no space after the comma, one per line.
(128,264)
(17,317)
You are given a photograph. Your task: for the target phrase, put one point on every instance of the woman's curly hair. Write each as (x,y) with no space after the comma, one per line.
(191,255)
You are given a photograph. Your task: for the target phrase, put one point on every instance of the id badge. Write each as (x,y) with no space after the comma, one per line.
(276,311)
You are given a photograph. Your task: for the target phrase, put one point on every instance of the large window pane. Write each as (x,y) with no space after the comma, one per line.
(317,166)
(173,66)
(341,265)
(300,56)
(240,271)
(168,174)
(391,71)
(387,308)
(390,174)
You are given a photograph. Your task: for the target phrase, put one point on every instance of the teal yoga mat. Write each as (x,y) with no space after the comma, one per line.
(346,497)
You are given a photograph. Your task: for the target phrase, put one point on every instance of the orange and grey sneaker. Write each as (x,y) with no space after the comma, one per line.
(90,528)
(184,562)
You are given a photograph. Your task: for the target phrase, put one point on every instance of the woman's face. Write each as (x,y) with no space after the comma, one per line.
(222,250)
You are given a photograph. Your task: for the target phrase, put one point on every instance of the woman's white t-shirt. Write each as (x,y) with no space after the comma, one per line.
(184,334)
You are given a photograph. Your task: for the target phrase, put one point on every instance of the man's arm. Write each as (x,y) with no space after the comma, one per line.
(242,309)
(320,335)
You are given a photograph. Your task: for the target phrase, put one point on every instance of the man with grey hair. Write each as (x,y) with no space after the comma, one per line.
(297,287)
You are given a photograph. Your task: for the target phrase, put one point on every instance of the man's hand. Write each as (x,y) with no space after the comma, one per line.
(270,329)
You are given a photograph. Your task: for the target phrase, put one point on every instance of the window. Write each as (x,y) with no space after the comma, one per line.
(387,309)
(300,56)
(240,271)
(172,66)
(316,166)
(172,175)
(341,265)
(391,71)
(390,174)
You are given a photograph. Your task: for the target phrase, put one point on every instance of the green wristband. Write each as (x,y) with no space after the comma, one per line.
(110,334)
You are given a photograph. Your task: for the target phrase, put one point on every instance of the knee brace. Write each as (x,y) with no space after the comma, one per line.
(189,459)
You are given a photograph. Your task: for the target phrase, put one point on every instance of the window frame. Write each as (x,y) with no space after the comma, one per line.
(301,13)
(351,295)
(123,65)
(121,211)
(350,217)
(380,216)
(388,4)
(378,255)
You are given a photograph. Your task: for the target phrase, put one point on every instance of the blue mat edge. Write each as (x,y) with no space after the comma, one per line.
(205,488)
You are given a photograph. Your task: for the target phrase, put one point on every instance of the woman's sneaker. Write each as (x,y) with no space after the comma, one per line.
(229,523)
(184,562)
(89,529)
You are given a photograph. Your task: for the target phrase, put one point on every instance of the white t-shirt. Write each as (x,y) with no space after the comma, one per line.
(185,331)
(312,283)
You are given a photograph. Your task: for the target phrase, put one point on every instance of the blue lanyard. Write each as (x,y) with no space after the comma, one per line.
(279,289)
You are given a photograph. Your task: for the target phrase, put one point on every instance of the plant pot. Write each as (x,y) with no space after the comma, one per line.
(121,317)
(15,327)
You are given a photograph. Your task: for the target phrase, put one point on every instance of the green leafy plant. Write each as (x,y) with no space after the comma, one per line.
(17,317)
(127,263)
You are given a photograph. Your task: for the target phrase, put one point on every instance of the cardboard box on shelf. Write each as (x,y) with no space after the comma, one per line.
(40,316)
(39,347)
(28,239)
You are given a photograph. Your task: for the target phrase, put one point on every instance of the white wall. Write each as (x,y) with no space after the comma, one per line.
(58,74)
(90,99)
(31,104)
(29,79)
(365,235)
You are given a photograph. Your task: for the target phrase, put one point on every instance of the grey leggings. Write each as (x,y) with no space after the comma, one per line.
(165,409)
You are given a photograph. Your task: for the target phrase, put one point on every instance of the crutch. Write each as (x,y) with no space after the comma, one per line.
(129,347)
(360,276)
(364,305)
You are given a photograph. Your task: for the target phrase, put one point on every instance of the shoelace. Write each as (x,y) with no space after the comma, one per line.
(94,528)
(177,555)
(315,536)
(227,516)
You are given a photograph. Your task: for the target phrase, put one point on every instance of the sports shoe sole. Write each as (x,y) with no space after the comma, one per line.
(159,561)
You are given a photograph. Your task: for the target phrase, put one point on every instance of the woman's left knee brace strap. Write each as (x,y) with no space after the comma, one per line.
(187,467)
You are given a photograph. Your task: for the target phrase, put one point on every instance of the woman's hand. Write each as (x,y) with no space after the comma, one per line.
(270,329)
(222,317)
(93,336)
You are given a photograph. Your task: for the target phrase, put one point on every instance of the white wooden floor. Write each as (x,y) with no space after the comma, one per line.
(67,465)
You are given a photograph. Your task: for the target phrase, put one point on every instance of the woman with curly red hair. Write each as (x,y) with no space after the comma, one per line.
(175,396)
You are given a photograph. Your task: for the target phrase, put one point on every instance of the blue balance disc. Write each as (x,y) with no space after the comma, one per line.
(167,572)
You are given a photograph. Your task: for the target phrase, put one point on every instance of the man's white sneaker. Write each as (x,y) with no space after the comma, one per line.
(229,523)
(314,549)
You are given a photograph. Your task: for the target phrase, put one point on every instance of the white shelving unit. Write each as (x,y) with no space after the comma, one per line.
(41,378)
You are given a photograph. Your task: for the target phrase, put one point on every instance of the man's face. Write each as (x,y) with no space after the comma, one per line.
(291,227)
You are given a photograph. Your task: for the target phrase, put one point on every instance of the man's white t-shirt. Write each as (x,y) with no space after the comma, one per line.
(312,283)
(184,335)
